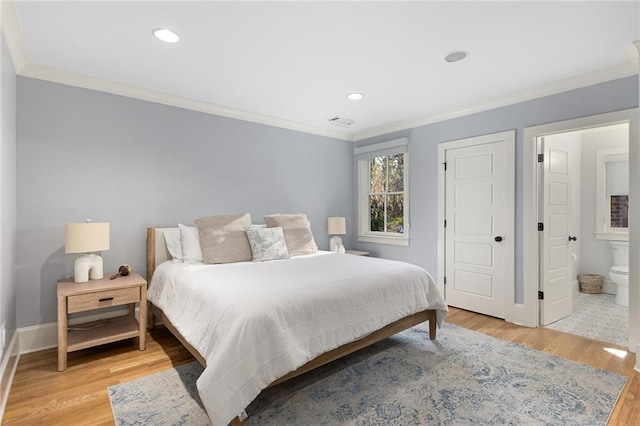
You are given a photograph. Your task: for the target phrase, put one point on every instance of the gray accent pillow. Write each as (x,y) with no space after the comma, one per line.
(267,244)
(297,232)
(223,238)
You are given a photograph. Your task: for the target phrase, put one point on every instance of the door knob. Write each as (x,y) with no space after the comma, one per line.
(498,238)
(573,238)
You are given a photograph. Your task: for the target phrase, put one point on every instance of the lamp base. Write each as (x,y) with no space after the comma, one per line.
(335,245)
(87,266)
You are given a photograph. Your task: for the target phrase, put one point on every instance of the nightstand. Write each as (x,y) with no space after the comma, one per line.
(98,294)
(357,253)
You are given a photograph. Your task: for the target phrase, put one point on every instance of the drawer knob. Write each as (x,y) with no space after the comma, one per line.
(105,299)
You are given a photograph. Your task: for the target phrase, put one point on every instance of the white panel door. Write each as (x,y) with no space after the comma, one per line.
(475,213)
(555,259)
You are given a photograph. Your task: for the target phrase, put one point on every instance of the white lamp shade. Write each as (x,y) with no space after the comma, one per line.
(337,225)
(86,237)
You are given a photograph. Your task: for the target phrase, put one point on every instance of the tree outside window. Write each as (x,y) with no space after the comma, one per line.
(386,194)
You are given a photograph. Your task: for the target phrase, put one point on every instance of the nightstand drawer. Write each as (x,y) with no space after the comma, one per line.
(103,299)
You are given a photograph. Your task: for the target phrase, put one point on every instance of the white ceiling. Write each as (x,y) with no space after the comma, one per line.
(291,64)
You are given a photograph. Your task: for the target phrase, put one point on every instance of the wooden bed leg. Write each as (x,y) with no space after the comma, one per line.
(432,327)
(151,319)
(236,421)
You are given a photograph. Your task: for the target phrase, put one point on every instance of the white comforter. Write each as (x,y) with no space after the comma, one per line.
(254,322)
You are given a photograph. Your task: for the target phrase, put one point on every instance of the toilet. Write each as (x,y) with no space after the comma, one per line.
(619,272)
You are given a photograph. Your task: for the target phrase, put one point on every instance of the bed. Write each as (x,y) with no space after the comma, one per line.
(268,322)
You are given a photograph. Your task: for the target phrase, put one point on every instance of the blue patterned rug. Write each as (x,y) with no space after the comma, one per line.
(462,378)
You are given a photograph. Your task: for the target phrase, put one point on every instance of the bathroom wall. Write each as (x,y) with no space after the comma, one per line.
(596,254)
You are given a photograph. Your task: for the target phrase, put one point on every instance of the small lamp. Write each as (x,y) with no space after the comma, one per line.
(86,238)
(336,226)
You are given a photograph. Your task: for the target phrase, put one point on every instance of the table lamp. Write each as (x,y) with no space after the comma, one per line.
(86,238)
(336,226)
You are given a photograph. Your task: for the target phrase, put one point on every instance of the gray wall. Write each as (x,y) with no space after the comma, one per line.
(7,192)
(86,154)
(423,148)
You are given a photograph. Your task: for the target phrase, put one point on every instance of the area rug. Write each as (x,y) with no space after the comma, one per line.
(463,377)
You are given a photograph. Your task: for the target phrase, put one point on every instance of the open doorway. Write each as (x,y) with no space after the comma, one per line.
(528,311)
(583,195)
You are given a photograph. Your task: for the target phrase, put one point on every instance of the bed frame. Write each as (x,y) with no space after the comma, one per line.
(157,253)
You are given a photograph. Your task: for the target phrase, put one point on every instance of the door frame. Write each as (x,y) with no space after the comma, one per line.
(528,312)
(509,138)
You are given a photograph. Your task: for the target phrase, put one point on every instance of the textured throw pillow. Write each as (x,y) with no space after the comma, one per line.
(297,232)
(172,241)
(190,243)
(223,238)
(267,244)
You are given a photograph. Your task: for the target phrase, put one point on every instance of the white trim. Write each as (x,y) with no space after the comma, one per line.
(40,72)
(530,208)
(381,146)
(79,80)
(12,30)
(363,180)
(632,52)
(38,337)
(509,137)
(441,270)
(584,80)
(45,336)
(35,338)
(13,34)
(613,237)
(383,239)
(8,370)
(603,205)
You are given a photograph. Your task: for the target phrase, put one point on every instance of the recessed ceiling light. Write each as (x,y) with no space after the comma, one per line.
(355,96)
(165,35)
(456,56)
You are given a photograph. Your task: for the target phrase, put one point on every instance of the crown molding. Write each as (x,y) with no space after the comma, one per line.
(12,30)
(634,53)
(584,80)
(79,80)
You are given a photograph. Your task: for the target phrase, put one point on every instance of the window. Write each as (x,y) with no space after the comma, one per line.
(382,193)
(619,212)
(612,194)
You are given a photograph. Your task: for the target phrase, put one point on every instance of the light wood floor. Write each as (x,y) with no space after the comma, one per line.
(40,395)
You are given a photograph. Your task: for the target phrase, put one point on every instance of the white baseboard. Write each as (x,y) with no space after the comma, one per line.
(36,338)
(45,336)
(8,370)
(519,315)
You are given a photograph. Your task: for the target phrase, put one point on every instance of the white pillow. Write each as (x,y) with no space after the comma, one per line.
(267,243)
(190,240)
(174,245)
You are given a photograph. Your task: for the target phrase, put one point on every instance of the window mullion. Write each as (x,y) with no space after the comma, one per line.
(386,191)
(369,196)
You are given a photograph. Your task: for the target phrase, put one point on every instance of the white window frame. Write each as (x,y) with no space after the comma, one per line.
(363,156)
(604,231)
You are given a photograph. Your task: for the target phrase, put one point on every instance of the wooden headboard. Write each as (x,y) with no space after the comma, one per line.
(156,249)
